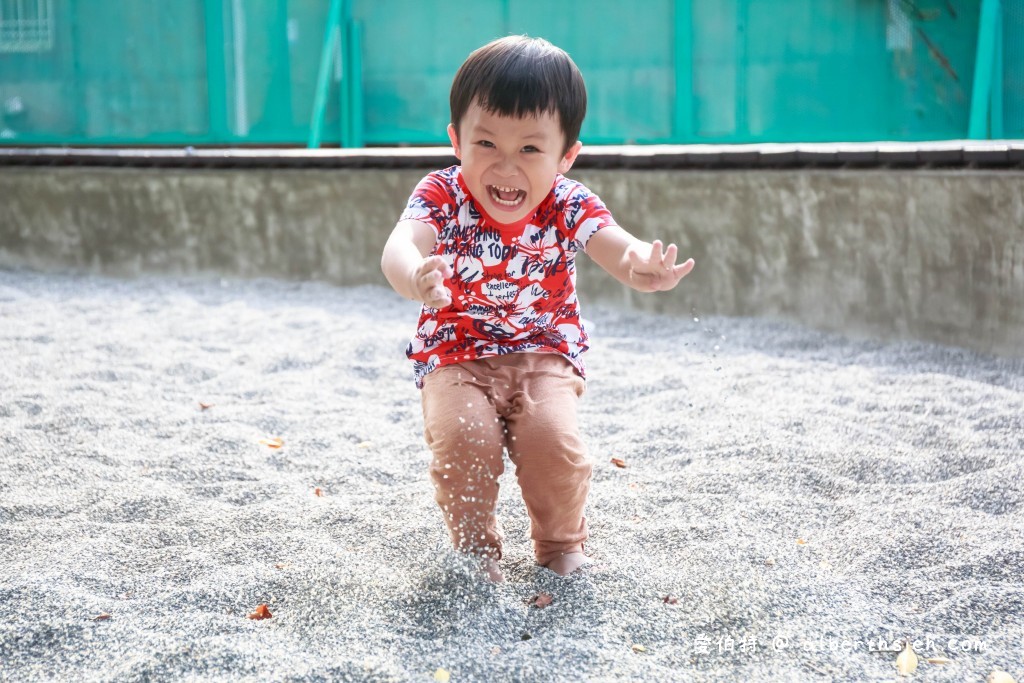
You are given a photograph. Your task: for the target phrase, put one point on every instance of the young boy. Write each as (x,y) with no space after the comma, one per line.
(489,249)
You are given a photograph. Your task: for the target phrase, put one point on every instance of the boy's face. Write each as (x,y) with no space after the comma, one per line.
(510,163)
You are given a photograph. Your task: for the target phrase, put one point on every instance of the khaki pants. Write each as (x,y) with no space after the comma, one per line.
(525,402)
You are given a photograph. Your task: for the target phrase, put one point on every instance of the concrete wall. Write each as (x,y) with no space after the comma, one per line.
(924,254)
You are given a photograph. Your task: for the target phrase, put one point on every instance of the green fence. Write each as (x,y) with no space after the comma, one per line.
(232,72)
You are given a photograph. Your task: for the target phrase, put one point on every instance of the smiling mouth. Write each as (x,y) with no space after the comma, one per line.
(506,197)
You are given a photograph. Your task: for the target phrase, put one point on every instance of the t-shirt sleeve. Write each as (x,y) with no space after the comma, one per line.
(432,202)
(585,214)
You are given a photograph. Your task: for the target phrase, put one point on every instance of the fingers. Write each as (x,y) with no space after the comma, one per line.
(658,271)
(668,261)
(433,289)
(660,258)
(437,263)
(670,257)
(657,257)
(428,282)
(683,269)
(649,264)
(439,300)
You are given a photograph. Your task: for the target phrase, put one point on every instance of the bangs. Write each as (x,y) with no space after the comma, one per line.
(522,86)
(519,76)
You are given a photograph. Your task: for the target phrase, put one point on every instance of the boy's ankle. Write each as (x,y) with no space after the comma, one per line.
(568,563)
(492,571)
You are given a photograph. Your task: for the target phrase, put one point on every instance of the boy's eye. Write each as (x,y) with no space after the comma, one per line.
(485,143)
(530,148)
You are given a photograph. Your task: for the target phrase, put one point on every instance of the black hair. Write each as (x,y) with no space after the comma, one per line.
(518,76)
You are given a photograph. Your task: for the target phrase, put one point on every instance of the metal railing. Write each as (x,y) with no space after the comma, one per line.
(351,73)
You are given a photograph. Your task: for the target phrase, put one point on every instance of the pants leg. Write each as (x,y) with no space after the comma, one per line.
(548,452)
(467,438)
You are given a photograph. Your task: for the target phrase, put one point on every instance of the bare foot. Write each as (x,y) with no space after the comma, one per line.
(491,570)
(568,563)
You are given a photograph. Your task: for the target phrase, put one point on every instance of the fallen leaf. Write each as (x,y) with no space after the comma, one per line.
(262,612)
(205,406)
(769,562)
(103,616)
(619,462)
(939,660)
(442,676)
(906,661)
(670,600)
(273,442)
(801,541)
(998,676)
(281,565)
(318,492)
(541,600)
(639,648)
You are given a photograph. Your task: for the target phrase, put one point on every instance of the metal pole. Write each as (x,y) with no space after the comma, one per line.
(682,124)
(998,82)
(742,130)
(981,95)
(216,71)
(238,52)
(331,34)
(355,85)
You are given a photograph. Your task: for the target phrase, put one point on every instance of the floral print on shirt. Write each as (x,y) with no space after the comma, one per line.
(514,286)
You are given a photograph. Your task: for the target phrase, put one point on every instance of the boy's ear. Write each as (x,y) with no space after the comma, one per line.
(566,162)
(453,135)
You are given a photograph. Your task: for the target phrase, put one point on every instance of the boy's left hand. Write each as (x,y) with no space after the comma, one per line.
(658,271)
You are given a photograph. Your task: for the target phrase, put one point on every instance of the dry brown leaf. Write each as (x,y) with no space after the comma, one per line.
(939,660)
(639,648)
(801,541)
(670,600)
(262,612)
(906,661)
(102,616)
(205,406)
(272,442)
(619,462)
(541,600)
(998,676)
(282,565)
(318,492)
(442,676)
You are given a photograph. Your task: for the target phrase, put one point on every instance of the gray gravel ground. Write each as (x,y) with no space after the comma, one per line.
(805,499)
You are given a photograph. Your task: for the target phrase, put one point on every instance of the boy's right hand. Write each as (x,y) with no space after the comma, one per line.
(428,282)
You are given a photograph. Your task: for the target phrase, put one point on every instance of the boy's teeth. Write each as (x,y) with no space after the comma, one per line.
(506,196)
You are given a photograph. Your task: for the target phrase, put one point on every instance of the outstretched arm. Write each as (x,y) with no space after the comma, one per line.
(411,270)
(638,264)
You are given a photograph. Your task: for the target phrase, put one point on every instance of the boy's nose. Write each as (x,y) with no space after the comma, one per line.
(505,167)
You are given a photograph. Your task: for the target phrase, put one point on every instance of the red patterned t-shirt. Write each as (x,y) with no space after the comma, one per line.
(514,286)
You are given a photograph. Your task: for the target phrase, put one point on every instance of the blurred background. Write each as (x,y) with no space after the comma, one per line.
(355,73)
